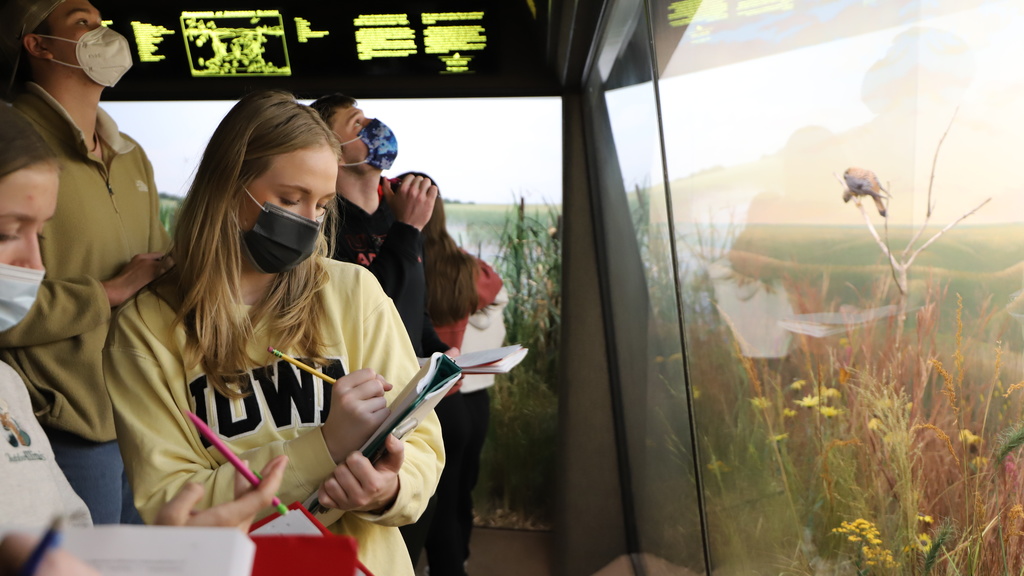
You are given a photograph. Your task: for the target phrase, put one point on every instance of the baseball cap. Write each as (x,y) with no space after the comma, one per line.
(17,18)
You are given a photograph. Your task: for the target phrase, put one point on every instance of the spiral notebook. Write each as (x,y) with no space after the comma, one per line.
(416,401)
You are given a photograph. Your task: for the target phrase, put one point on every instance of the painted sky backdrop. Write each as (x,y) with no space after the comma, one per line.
(760,139)
(483,150)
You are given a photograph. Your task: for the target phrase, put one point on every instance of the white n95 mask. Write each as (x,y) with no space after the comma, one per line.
(18,289)
(102,53)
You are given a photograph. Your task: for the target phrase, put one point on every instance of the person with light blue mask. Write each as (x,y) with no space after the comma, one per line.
(104,242)
(28,197)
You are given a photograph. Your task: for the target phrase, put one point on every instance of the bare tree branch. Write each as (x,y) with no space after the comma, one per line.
(871,228)
(931,182)
(943,231)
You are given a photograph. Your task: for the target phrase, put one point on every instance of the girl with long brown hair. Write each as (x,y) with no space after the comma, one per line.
(252,272)
(458,285)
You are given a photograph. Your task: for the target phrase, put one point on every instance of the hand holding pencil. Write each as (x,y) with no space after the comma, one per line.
(358,407)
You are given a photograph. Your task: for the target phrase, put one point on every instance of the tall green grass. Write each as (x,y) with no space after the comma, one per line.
(169,211)
(517,471)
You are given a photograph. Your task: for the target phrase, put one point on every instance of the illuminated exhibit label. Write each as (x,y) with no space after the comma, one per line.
(445,34)
(384,36)
(364,20)
(445,39)
(681,13)
(713,10)
(754,7)
(684,12)
(235,43)
(451,33)
(310,43)
(304,31)
(456,64)
(435,17)
(147,39)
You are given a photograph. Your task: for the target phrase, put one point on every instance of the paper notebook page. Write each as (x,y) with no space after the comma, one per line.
(293,523)
(117,550)
(484,357)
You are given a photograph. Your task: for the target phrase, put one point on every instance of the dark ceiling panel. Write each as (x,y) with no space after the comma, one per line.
(220,49)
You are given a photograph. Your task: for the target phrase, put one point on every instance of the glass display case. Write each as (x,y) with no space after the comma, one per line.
(812,243)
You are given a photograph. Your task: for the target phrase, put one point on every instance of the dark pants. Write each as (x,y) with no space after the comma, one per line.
(478,406)
(464,420)
(96,472)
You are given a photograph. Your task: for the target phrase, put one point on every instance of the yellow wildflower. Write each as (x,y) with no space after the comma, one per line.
(979,461)
(780,437)
(760,402)
(924,543)
(969,438)
(844,375)
(828,411)
(798,384)
(860,530)
(831,393)
(874,424)
(1016,513)
(808,401)
(925,518)
(788,412)
(844,341)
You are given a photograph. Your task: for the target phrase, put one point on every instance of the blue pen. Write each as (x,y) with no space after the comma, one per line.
(50,540)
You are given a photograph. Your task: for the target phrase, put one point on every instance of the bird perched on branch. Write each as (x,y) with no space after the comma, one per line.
(861,182)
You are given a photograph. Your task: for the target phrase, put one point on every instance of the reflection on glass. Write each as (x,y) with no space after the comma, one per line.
(645,319)
(852,371)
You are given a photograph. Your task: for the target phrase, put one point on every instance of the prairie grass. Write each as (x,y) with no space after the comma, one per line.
(518,461)
(169,211)
(915,442)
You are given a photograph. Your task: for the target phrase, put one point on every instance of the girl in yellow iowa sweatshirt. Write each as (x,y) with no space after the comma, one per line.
(251,271)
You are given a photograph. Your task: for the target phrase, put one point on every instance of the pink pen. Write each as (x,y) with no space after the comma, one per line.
(232,458)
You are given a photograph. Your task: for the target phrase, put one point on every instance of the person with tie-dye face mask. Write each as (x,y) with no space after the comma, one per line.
(382,219)
(381,227)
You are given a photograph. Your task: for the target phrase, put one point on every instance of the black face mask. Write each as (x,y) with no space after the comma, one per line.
(280,240)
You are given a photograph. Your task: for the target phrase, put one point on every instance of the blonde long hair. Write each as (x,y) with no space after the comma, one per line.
(207,245)
(451,273)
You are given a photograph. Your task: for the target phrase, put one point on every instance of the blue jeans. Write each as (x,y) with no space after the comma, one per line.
(96,472)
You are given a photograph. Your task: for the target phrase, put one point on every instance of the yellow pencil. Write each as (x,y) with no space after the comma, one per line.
(300,365)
